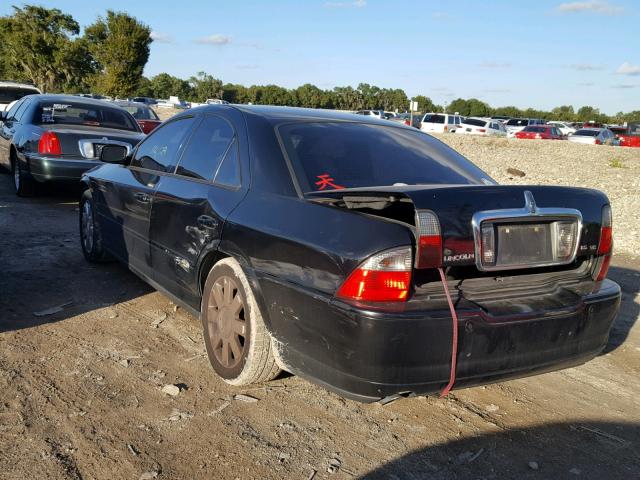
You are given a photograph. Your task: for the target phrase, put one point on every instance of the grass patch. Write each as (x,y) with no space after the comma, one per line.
(616,163)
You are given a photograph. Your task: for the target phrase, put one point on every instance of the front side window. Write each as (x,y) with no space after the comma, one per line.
(159,150)
(334,155)
(208,145)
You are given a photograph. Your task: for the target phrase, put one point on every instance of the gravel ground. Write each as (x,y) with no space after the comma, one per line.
(614,170)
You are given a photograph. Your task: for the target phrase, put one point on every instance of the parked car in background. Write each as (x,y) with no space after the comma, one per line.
(146,117)
(145,100)
(627,136)
(440,122)
(407,119)
(340,248)
(541,132)
(565,127)
(11,92)
(592,124)
(216,101)
(480,126)
(371,113)
(501,118)
(59,137)
(594,136)
(514,125)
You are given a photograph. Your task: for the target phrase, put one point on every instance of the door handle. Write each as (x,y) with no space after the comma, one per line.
(205,222)
(142,197)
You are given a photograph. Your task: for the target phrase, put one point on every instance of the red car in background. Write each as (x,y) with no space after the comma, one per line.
(541,132)
(628,136)
(144,115)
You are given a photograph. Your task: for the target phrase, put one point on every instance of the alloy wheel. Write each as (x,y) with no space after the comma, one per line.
(227,326)
(87,226)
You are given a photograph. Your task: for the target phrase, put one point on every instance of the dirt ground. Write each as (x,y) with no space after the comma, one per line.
(81,390)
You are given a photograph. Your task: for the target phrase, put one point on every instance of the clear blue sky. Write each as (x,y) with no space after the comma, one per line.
(537,53)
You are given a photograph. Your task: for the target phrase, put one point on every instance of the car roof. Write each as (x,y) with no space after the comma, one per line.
(51,97)
(275,114)
(127,103)
(18,85)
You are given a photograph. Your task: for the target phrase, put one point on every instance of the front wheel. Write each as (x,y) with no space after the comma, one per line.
(237,341)
(90,233)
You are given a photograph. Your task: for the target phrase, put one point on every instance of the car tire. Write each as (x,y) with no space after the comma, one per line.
(90,232)
(22,182)
(236,338)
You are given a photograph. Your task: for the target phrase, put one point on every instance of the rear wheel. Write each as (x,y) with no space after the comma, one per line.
(237,341)
(90,233)
(22,181)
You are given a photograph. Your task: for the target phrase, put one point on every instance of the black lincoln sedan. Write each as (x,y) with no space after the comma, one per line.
(366,256)
(56,138)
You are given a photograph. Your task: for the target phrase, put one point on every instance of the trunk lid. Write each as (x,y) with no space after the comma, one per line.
(71,136)
(462,209)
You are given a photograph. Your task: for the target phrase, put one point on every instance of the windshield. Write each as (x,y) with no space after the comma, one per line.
(327,155)
(587,133)
(517,122)
(9,94)
(75,113)
(141,113)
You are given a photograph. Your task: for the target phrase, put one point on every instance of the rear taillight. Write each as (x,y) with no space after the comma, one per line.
(406,122)
(538,136)
(605,247)
(429,240)
(598,141)
(446,129)
(49,144)
(384,277)
(482,130)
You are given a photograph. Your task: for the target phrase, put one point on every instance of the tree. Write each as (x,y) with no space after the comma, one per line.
(425,104)
(36,47)
(310,96)
(564,112)
(164,85)
(120,46)
(205,86)
(234,93)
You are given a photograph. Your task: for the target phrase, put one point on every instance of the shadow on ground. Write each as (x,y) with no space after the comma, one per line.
(571,450)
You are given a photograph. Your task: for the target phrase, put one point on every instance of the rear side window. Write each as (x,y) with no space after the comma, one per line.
(433,118)
(141,113)
(207,147)
(535,129)
(17,116)
(159,150)
(12,111)
(9,94)
(328,155)
(76,113)
(474,121)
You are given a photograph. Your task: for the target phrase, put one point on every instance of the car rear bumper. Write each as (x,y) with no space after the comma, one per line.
(368,355)
(45,169)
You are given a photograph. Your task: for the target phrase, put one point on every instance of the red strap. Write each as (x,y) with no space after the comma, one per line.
(454,340)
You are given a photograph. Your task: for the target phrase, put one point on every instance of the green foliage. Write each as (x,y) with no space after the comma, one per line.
(37,47)
(425,104)
(205,86)
(120,47)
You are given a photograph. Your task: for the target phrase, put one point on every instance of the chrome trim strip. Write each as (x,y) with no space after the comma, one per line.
(529,213)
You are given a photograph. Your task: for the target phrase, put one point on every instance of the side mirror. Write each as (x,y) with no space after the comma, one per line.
(113,154)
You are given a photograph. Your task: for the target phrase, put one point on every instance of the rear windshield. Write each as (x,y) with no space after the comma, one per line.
(141,113)
(433,119)
(474,121)
(9,94)
(75,113)
(327,156)
(535,129)
(587,133)
(517,122)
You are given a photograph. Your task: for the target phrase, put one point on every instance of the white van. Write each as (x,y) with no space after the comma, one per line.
(440,122)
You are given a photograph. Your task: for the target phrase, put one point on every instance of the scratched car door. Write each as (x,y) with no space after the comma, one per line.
(190,207)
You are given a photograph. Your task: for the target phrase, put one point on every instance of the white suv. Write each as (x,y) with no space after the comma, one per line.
(11,92)
(515,125)
(440,122)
